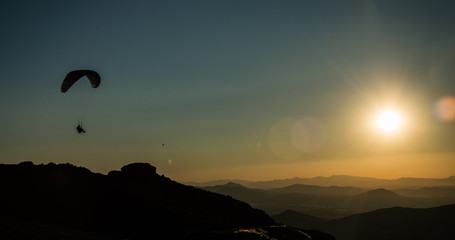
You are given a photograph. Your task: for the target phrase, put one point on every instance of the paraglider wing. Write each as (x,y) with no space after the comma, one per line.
(74,76)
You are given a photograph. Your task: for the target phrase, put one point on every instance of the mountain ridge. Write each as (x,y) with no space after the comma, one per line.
(337,180)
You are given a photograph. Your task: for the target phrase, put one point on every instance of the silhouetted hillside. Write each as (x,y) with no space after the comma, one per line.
(429,192)
(17,229)
(134,203)
(299,220)
(240,192)
(380,193)
(396,223)
(376,199)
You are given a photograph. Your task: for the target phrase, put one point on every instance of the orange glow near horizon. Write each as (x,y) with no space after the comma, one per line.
(437,165)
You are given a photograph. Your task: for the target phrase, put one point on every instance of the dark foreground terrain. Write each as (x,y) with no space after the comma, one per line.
(67,202)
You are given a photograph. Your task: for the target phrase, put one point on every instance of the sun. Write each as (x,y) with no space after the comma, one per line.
(389,121)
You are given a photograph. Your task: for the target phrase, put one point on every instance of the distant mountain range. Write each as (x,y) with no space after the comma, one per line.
(332,201)
(67,202)
(351,213)
(339,180)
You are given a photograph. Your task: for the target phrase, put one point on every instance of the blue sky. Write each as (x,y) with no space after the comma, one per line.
(224,83)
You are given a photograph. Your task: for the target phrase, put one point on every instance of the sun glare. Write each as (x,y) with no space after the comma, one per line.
(388,121)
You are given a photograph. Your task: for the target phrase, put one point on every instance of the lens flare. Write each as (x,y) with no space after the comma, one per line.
(445,109)
(309,135)
(279,140)
(289,138)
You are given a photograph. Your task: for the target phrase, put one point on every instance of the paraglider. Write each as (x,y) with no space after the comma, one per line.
(80,129)
(74,76)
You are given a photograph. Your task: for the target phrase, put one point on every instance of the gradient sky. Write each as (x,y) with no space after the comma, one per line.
(234,89)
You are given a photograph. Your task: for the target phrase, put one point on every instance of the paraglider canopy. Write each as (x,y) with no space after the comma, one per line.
(74,76)
(81,105)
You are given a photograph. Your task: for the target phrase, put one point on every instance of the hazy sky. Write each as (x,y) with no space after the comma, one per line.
(234,89)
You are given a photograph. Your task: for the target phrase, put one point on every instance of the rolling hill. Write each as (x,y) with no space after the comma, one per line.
(436,223)
(296,219)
